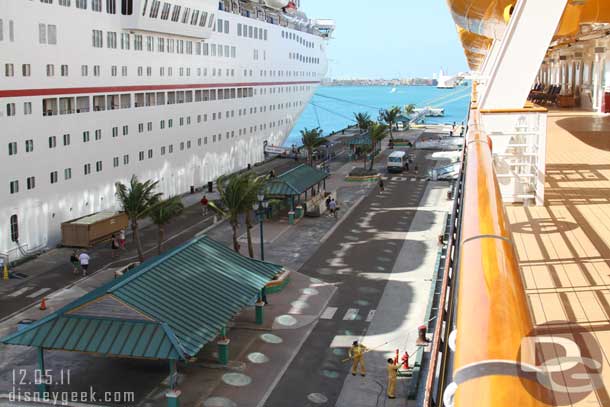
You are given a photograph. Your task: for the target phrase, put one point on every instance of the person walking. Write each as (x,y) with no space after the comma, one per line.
(332,206)
(122,239)
(75,262)
(84,262)
(381,185)
(356,353)
(204,205)
(114,245)
(392,374)
(328,203)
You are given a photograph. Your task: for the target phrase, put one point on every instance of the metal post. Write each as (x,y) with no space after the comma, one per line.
(260,219)
(173,374)
(42,386)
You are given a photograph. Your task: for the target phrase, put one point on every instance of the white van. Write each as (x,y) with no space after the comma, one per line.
(397,161)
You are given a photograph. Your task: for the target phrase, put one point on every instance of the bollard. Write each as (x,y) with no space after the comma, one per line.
(223,351)
(405,360)
(421,338)
(291,218)
(259,312)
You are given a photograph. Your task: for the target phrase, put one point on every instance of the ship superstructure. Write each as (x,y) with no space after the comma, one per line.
(179,91)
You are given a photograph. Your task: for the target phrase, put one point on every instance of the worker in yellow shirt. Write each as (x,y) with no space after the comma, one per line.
(356,353)
(392,373)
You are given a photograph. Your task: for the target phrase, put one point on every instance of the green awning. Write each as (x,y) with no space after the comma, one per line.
(295,181)
(359,140)
(167,308)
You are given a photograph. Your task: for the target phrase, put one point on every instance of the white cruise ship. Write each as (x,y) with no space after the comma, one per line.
(181,91)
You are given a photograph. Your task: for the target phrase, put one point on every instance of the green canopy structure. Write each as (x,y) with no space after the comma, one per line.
(295,182)
(167,308)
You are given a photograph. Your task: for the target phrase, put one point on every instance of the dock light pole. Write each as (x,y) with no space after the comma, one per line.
(260,208)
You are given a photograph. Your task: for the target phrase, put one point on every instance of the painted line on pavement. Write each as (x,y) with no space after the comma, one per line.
(413,179)
(19,292)
(329,313)
(38,293)
(351,314)
(370,316)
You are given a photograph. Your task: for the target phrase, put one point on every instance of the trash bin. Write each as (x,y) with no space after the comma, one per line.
(192,189)
(210,186)
(299,212)
(24,323)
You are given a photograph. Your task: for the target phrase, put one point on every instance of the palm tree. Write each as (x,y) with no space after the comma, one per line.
(311,139)
(366,149)
(137,199)
(233,191)
(390,116)
(254,187)
(162,213)
(363,120)
(410,108)
(377,132)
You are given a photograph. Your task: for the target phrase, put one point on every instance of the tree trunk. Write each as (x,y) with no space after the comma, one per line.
(373,157)
(391,136)
(365,154)
(160,239)
(235,241)
(249,234)
(136,239)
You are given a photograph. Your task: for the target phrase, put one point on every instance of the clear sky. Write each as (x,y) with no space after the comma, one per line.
(389,38)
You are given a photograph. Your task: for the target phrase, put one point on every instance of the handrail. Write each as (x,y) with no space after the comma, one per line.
(492,312)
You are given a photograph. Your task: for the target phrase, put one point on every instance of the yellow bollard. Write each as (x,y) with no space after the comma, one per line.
(5,272)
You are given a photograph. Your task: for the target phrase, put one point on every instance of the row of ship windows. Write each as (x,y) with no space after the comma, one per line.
(67,138)
(293,36)
(178,14)
(97,5)
(97,134)
(142,155)
(82,104)
(26,70)
(161,44)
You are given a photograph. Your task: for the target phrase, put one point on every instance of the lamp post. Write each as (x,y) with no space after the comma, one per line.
(260,208)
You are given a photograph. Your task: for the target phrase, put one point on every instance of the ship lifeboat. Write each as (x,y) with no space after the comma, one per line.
(277,4)
(291,8)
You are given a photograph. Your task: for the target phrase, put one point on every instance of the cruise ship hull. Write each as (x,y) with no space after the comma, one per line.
(93,97)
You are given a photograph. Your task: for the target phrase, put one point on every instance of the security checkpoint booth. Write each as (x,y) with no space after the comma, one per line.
(168,309)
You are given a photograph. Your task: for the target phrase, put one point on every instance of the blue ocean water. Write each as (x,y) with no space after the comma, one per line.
(332,108)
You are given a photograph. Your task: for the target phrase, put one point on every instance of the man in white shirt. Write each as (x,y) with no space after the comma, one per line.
(84,262)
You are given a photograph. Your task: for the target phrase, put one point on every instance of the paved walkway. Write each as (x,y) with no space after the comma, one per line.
(381,259)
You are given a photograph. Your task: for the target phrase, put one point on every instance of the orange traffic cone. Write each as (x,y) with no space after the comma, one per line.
(43,304)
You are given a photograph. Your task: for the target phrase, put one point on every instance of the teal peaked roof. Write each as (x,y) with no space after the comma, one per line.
(295,182)
(166,308)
